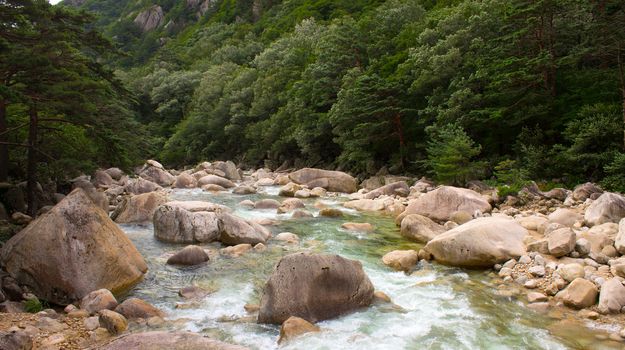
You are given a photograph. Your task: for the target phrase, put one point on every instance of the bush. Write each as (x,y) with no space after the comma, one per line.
(510,178)
(33,305)
(449,155)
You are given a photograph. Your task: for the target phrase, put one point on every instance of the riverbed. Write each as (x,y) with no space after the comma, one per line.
(434,307)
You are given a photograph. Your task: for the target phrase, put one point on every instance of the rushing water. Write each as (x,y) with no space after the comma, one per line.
(435,307)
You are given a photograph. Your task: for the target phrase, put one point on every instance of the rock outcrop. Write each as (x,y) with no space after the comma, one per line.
(150,18)
(73,249)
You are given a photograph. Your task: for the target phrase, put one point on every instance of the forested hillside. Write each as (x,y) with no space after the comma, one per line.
(496,89)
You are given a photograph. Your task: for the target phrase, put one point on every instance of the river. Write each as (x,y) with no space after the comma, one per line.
(435,307)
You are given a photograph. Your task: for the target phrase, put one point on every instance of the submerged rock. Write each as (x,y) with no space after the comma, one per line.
(294,327)
(482,242)
(72,250)
(314,287)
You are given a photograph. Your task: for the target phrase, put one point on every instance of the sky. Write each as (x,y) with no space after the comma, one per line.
(54,2)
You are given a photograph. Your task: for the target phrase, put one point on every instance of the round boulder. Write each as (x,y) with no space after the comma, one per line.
(189,255)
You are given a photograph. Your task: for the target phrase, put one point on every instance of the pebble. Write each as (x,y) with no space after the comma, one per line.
(509,264)
(538,271)
(531,284)
(505,272)
(525,259)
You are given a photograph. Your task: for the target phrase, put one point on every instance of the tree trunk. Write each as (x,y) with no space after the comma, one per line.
(32,162)
(621,70)
(4,148)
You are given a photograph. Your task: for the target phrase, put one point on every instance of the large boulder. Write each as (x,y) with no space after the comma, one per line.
(335,181)
(579,294)
(365,205)
(102,179)
(420,228)
(185,180)
(561,242)
(162,340)
(139,208)
(612,296)
(153,171)
(442,203)
(566,217)
(215,180)
(187,222)
(115,173)
(228,168)
(140,185)
(482,242)
(235,230)
(314,287)
(399,188)
(585,191)
(619,241)
(609,207)
(73,249)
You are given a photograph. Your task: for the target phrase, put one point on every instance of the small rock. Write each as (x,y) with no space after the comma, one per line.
(505,272)
(525,259)
(98,300)
(287,237)
(609,251)
(531,284)
(561,242)
(113,321)
(295,326)
(236,251)
(331,212)
(358,226)
(509,264)
(536,297)
(582,246)
(137,308)
(189,255)
(402,260)
(381,297)
(579,294)
(91,323)
(538,271)
(570,272)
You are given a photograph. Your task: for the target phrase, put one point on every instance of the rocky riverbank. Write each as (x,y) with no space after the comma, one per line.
(558,250)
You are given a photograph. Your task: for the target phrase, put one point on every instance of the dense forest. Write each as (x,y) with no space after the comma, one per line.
(504,90)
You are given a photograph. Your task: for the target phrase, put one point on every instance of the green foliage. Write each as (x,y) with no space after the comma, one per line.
(615,174)
(510,178)
(34,305)
(450,155)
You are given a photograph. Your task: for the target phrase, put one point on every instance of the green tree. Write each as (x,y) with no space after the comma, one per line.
(451,153)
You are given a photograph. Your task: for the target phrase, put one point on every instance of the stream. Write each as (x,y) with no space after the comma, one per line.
(435,307)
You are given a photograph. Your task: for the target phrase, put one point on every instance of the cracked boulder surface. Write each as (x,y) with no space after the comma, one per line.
(314,287)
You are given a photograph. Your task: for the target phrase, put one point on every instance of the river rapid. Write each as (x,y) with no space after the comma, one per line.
(434,307)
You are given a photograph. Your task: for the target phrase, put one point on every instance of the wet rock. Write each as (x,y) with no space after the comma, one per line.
(113,321)
(137,308)
(294,327)
(98,300)
(402,260)
(188,222)
(162,340)
(298,214)
(612,296)
(561,242)
(189,255)
(289,189)
(287,237)
(50,255)
(243,190)
(267,204)
(610,207)
(215,180)
(441,203)
(193,292)
(139,208)
(331,212)
(334,181)
(535,297)
(267,181)
(579,294)
(236,250)
(358,226)
(420,228)
(213,188)
(314,287)
(235,230)
(482,242)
